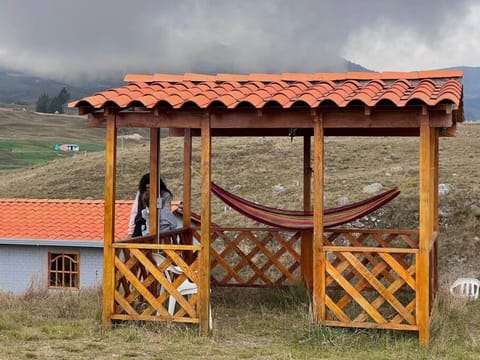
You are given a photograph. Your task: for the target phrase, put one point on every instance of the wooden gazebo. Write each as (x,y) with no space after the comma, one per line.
(371,279)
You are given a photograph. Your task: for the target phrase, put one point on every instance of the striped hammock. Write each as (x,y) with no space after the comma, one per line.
(303,220)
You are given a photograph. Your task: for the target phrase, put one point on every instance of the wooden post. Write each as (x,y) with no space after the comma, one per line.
(187,190)
(187,180)
(318,254)
(426,229)
(109,220)
(307,236)
(436,205)
(154,177)
(205,170)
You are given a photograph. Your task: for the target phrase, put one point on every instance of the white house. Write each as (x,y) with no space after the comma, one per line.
(54,244)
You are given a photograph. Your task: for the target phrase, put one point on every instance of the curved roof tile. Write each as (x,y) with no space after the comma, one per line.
(428,87)
(51,219)
(309,98)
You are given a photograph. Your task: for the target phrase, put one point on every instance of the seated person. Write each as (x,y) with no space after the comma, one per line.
(137,223)
(168,221)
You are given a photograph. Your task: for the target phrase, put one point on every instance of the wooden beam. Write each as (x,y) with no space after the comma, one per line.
(400,132)
(235,119)
(426,230)
(307,236)
(205,170)
(154,179)
(109,222)
(319,268)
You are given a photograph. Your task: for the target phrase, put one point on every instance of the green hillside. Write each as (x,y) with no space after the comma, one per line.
(28,138)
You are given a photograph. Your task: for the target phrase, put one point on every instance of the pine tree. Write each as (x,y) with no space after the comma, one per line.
(47,104)
(63,96)
(43,103)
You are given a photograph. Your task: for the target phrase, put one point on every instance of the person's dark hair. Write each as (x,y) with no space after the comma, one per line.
(145,199)
(163,187)
(144,181)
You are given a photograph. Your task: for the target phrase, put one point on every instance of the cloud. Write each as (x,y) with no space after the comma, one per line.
(393,46)
(91,39)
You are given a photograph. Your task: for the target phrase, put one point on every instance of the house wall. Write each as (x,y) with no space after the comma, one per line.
(24,266)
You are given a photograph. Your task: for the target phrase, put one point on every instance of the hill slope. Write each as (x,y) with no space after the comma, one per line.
(255,168)
(27,137)
(471,91)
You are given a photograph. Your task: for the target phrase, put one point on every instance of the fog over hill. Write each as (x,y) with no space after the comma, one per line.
(21,88)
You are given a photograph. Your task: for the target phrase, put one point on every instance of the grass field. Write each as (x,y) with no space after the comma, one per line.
(248,324)
(28,138)
(263,324)
(21,153)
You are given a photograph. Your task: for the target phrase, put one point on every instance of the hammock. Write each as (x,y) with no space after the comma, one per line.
(303,220)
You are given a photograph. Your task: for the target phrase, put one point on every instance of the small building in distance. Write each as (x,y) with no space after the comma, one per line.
(67,147)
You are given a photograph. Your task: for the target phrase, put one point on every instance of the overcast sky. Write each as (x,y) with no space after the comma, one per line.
(66,39)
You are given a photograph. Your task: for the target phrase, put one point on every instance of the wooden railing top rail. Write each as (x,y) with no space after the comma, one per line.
(153,238)
(370,249)
(156,246)
(139,239)
(332,230)
(373,231)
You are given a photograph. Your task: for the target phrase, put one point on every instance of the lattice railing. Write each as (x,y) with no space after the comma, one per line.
(368,281)
(144,287)
(370,275)
(254,257)
(372,238)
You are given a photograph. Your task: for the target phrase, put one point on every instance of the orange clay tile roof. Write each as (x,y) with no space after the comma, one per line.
(44,219)
(284,90)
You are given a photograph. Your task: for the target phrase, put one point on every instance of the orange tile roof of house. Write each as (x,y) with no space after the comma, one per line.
(284,90)
(72,219)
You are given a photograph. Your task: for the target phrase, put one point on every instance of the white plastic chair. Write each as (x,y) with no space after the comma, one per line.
(186,288)
(466,288)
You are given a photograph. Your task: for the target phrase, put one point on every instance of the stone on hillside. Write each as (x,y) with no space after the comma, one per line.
(341,201)
(396,169)
(475,211)
(236,187)
(444,189)
(391,157)
(277,189)
(135,136)
(266,140)
(372,188)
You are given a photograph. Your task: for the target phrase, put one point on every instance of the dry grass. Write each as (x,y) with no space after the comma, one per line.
(253,323)
(249,324)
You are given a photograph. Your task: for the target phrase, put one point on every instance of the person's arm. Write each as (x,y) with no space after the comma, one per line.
(133,213)
(172,220)
(167,220)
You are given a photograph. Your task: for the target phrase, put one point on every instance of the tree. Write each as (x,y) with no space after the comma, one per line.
(55,106)
(47,104)
(43,103)
(63,96)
